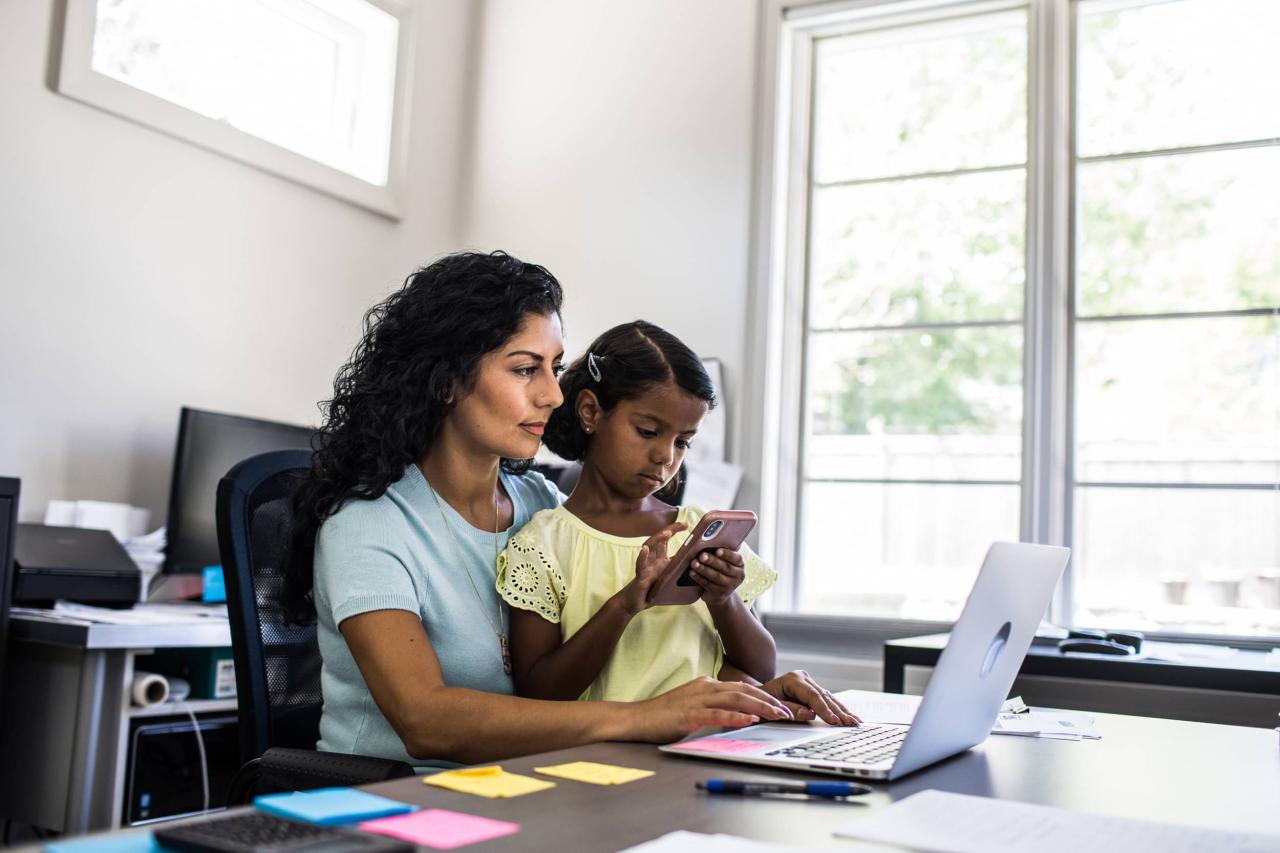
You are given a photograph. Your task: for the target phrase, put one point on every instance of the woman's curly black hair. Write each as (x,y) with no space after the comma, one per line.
(629,360)
(420,345)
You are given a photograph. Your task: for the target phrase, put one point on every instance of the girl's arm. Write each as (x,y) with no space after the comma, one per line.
(747,645)
(545,668)
(436,721)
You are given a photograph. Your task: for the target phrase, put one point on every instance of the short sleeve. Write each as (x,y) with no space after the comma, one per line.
(759,577)
(356,573)
(529,577)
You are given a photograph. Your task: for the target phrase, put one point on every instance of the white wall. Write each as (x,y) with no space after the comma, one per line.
(139,273)
(613,144)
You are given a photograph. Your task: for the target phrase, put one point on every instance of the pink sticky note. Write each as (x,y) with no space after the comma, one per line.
(440,828)
(720,744)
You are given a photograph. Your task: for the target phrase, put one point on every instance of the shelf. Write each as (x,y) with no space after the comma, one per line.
(196,706)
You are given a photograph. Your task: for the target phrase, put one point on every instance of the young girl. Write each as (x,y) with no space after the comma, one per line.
(577,576)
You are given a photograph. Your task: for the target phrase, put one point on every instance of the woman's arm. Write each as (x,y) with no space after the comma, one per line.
(747,645)
(433,720)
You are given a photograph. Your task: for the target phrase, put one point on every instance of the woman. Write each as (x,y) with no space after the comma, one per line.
(415,488)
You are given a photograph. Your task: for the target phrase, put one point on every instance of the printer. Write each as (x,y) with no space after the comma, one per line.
(74,563)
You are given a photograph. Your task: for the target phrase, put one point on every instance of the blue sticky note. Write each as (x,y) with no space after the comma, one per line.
(133,842)
(330,806)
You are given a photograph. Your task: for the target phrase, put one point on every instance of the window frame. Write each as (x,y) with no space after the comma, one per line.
(771,442)
(74,77)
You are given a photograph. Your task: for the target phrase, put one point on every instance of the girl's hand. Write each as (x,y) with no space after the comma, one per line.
(650,564)
(719,573)
(701,702)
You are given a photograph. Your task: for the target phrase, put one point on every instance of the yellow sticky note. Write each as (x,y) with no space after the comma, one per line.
(596,774)
(490,781)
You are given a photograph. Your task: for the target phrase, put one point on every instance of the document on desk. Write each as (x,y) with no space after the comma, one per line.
(871,707)
(943,822)
(683,841)
(140,614)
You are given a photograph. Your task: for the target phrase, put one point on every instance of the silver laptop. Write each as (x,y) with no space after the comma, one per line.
(970,682)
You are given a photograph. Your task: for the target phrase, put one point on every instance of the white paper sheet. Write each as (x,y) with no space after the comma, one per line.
(687,842)
(870,707)
(957,823)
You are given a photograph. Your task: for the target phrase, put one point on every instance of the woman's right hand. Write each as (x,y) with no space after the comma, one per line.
(653,559)
(701,702)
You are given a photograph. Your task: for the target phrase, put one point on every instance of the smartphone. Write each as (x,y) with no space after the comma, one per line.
(720,528)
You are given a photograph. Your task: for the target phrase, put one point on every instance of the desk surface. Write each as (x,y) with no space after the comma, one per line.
(1247,671)
(1225,777)
(61,630)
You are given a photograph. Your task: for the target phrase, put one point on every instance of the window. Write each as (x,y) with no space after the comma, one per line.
(313,90)
(1026,257)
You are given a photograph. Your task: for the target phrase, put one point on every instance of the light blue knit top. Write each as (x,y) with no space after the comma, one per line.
(394,553)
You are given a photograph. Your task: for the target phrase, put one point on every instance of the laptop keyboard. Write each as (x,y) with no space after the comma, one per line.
(863,745)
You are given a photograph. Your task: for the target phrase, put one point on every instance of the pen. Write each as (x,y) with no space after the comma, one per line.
(813,789)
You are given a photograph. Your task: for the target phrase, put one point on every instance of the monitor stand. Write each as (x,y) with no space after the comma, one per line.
(176,588)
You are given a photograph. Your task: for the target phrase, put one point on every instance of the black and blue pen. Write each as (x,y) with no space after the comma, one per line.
(812,789)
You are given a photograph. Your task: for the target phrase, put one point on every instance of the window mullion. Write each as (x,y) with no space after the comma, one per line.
(1046,360)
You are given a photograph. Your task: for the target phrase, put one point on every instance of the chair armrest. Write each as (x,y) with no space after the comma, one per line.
(282,769)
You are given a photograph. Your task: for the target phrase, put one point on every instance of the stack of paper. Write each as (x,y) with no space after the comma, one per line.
(958,823)
(1057,725)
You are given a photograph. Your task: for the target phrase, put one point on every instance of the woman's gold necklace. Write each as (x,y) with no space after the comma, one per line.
(503,645)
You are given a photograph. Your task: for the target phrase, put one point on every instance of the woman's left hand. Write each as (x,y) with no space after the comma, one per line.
(719,573)
(807,699)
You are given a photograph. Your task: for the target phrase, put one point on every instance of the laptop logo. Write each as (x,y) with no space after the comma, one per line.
(998,643)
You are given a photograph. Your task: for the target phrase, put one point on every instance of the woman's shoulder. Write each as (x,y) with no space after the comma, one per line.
(365,520)
(535,491)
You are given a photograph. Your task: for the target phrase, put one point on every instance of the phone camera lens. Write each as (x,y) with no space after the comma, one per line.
(712,529)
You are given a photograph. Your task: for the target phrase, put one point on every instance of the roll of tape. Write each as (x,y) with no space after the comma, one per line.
(179,689)
(149,689)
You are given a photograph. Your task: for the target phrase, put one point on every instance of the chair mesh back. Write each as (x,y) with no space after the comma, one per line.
(290,652)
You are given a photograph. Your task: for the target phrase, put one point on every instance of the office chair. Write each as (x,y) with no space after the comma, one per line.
(277,664)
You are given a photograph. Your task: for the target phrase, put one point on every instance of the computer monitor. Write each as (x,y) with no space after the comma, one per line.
(209,445)
(8,525)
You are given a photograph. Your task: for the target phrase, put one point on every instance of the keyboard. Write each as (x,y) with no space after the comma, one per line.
(863,745)
(256,832)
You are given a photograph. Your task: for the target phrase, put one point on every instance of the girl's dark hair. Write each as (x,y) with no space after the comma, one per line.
(629,360)
(420,344)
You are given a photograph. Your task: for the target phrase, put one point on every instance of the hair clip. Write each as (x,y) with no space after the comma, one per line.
(593,366)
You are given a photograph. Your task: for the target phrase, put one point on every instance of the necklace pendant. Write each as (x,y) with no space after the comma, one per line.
(506,653)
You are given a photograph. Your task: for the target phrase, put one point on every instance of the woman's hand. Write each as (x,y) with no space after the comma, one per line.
(807,699)
(653,559)
(702,702)
(719,573)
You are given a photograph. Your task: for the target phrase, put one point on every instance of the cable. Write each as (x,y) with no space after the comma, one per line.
(204,761)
